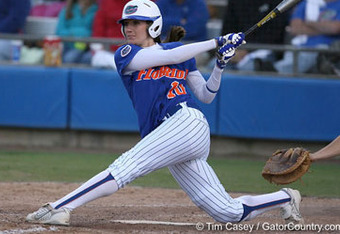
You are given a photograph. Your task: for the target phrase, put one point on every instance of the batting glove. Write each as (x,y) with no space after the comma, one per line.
(224,54)
(234,38)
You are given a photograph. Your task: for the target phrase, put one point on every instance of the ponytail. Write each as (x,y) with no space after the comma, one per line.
(176,34)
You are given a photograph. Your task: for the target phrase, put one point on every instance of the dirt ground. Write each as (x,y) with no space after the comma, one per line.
(147,210)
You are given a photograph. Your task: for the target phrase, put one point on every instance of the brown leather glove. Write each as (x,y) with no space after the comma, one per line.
(286,165)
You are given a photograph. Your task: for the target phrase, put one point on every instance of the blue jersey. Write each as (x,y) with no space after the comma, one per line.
(155,90)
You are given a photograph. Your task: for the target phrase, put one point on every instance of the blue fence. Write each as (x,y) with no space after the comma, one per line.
(94,99)
(98,101)
(279,108)
(34,97)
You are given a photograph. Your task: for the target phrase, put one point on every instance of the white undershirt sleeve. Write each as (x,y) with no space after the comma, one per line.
(154,57)
(205,91)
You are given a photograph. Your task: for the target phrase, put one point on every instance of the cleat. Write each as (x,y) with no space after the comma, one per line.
(291,212)
(47,215)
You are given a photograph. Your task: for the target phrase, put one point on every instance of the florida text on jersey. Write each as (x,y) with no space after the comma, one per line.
(156,89)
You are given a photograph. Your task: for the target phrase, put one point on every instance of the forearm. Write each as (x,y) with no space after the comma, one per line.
(325,27)
(205,91)
(329,151)
(298,27)
(147,58)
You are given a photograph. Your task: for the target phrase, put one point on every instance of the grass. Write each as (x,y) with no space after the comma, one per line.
(237,175)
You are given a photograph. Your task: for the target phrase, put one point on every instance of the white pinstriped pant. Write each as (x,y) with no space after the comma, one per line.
(182,144)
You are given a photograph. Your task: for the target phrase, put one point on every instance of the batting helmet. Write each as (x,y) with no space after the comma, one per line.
(145,10)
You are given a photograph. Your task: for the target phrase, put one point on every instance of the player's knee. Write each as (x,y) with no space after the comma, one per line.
(228,212)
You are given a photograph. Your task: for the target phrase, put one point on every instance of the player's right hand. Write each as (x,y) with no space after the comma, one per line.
(231,38)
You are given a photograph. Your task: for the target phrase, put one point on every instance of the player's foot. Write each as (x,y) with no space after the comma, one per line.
(47,215)
(291,212)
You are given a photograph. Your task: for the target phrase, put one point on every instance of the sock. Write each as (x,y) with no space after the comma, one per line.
(102,184)
(256,205)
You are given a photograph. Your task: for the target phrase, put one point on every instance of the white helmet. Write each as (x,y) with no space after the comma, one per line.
(145,10)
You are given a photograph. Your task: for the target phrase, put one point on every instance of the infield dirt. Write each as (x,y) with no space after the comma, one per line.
(167,210)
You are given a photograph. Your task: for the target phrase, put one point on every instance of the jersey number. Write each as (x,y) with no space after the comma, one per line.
(176,89)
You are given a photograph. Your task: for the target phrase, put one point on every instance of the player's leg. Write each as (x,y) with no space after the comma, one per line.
(286,199)
(101,185)
(180,138)
(58,212)
(200,182)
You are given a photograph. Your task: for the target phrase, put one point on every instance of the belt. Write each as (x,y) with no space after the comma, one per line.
(173,109)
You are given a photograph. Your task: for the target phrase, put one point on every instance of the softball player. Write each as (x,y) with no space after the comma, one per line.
(175,133)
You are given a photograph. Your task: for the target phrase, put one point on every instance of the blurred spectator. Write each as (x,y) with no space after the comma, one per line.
(75,20)
(240,15)
(51,8)
(329,63)
(13,14)
(105,26)
(105,23)
(192,15)
(31,52)
(314,23)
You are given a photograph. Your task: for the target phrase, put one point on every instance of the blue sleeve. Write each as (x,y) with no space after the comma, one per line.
(16,17)
(299,11)
(124,55)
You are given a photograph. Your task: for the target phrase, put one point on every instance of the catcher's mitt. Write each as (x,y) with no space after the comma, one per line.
(286,165)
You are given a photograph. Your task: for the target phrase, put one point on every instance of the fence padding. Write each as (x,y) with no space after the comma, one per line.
(245,106)
(33,97)
(99,101)
(279,108)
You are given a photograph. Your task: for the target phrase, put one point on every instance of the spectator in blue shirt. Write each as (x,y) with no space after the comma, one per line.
(192,15)
(315,24)
(13,14)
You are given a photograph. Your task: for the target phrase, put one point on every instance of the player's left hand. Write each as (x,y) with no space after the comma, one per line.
(232,38)
(224,54)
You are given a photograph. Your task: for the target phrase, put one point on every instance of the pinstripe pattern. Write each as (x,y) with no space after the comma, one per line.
(181,143)
(201,184)
(182,137)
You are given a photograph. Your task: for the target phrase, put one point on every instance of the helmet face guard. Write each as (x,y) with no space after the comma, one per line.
(144,10)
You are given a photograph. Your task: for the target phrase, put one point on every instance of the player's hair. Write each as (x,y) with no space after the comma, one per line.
(176,33)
